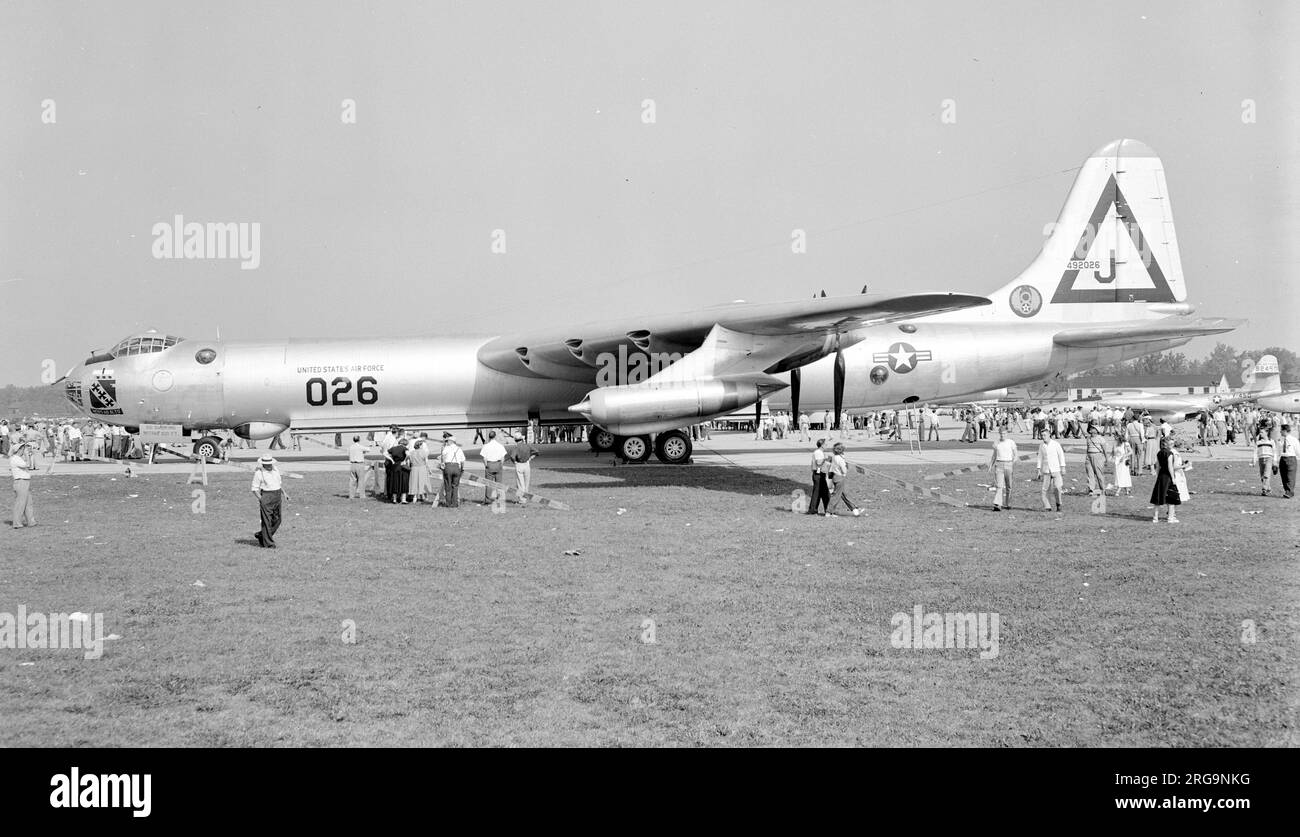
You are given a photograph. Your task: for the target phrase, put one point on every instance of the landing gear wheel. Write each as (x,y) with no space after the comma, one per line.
(633,448)
(602,441)
(673,447)
(208,446)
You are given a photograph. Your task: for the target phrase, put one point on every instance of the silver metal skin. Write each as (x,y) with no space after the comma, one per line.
(1106,286)
(259,389)
(959,360)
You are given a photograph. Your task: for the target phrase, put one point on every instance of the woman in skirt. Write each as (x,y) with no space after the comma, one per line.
(1165,492)
(421,486)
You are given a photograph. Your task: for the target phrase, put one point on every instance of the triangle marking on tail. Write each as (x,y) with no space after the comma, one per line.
(1159,290)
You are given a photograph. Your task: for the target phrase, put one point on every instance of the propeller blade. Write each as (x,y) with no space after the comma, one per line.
(796,376)
(839,387)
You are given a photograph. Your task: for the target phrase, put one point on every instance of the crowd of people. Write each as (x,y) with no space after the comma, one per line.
(72,441)
(1118,445)
(409,469)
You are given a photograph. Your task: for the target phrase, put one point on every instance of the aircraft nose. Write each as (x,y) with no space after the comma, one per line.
(71,383)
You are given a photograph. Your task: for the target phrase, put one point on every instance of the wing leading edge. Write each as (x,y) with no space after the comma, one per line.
(806,329)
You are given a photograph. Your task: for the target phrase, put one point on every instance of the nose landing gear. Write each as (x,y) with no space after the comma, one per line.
(209,447)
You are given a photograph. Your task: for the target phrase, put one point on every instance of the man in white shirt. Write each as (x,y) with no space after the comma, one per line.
(357,468)
(98,449)
(1002,462)
(931,420)
(1220,417)
(1288,451)
(1051,471)
(494,455)
(19,467)
(452,462)
(267,487)
(821,493)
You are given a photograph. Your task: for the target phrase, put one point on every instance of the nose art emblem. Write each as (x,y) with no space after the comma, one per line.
(103,397)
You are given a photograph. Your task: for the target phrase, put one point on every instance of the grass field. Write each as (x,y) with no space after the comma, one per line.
(770,628)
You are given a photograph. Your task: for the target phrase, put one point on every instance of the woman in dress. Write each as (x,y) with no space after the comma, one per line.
(840,480)
(1123,457)
(421,485)
(1165,491)
(398,472)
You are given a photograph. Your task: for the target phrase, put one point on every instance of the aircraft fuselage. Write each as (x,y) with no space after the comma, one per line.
(261,388)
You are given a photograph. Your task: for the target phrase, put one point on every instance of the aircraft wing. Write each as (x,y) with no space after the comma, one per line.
(1155,331)
(749,338)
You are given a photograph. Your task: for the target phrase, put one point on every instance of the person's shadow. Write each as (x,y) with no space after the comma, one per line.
(248,542)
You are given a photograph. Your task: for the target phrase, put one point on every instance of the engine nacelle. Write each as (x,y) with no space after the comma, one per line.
(638,409)
(258,430)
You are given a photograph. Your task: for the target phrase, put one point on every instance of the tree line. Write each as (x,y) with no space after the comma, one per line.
(1223,358)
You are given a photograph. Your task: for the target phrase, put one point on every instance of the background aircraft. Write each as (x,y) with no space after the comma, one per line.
(1107,286)
(1259,379)
(1283,402)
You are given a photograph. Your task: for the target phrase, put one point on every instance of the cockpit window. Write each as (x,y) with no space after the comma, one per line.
(144,344)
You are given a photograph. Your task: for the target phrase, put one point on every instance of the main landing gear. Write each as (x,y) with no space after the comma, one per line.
(672,448)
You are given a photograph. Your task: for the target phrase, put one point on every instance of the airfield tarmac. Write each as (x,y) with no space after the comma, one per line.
(669,606)
(732,449)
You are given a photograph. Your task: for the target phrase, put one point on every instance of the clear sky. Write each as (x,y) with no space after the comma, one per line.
(528,117)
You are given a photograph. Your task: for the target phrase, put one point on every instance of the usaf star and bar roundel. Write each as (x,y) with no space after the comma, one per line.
(901,357)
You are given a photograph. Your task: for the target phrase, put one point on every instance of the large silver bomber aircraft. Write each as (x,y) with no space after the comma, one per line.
(1106,286)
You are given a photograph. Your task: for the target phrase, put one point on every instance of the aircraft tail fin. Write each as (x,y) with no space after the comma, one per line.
(1262,377)
(1112,253)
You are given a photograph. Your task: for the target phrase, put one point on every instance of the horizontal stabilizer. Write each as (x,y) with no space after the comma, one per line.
(1128,334)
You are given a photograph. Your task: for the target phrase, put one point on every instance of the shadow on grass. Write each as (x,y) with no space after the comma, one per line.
(727,479)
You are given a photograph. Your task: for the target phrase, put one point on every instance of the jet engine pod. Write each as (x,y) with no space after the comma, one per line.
(257,430)
(638,409)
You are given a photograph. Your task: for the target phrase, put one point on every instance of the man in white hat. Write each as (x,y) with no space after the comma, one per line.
(266,485)
(451,461)
(24,511)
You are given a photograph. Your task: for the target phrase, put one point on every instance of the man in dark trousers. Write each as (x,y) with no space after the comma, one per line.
(266,485)
(1288,453)
(821,491)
